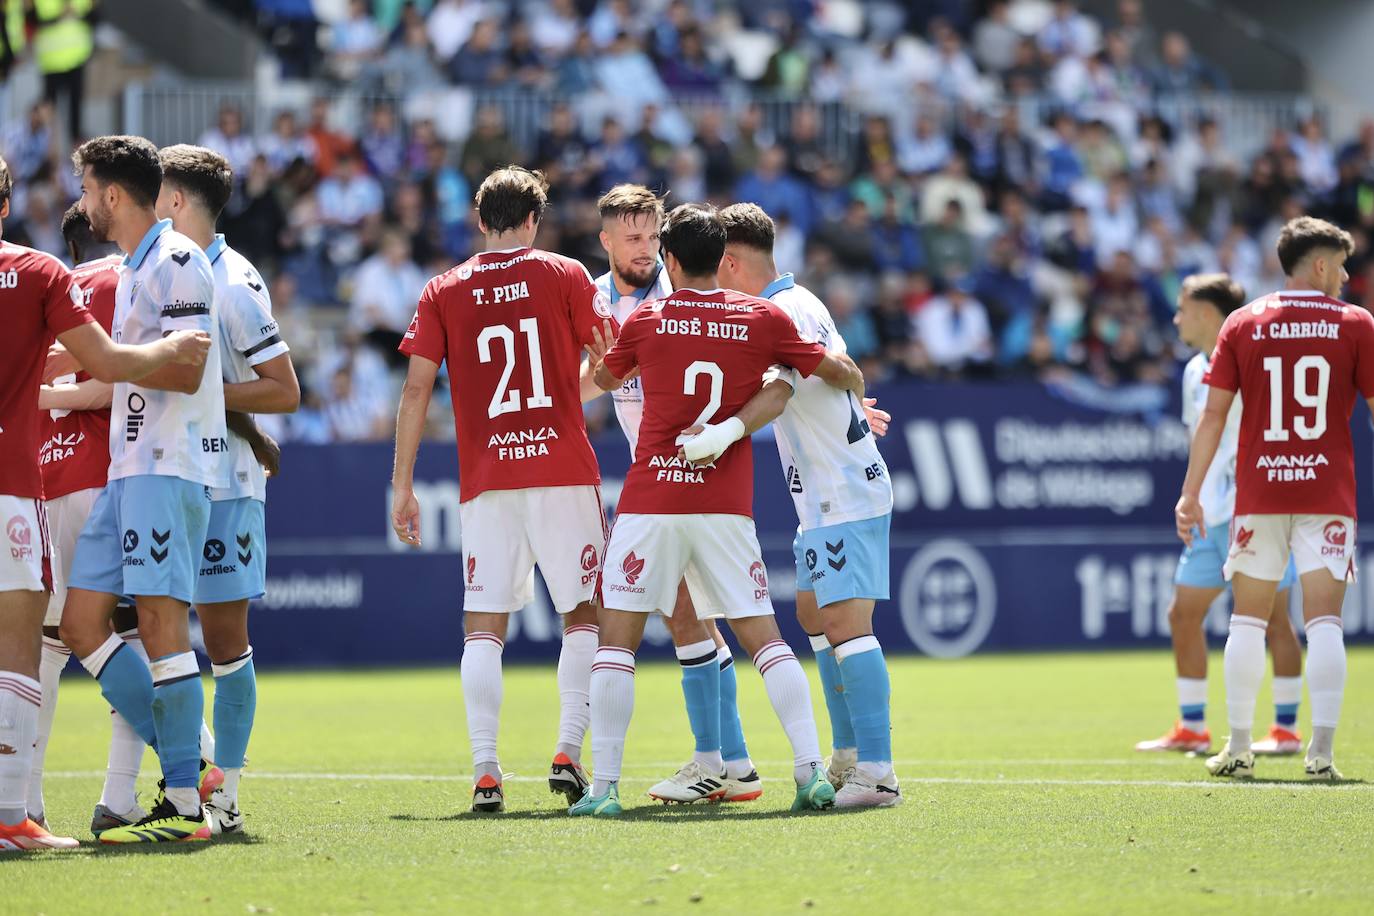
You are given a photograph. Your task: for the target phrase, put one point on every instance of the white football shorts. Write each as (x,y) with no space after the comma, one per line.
(507,532)
(1260,545)
(718,554)
(66,517)
(26,551)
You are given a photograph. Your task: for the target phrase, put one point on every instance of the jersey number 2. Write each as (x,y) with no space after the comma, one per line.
(505,399)
(1304,393)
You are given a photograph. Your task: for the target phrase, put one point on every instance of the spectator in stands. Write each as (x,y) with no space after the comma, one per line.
(382,145)
(286,143)
(1316,157)
(356,41)
(690,71)
(953,183)
(524,59)
(451,24)
(488,147)
(350,205)
(896,244)
(854,324)
(847,240)
(953,328)
(618,157)
(1180,71)
(624,71)
(329,144)
(995,38)
(1026,75)
(927,150)
(555,26)
(385,290)
(788,70)
(480,61)
(1068,33)
(355,413)
(228,139)
(717,159)
(948,244)
(408,65)
(254,217)
(777,192)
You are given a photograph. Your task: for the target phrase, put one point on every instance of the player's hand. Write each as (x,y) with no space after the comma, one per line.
(686,437)
(878,420)
(189,347)
(405,516)
(59,362)
(1188,516)
(268,453)
(602,338)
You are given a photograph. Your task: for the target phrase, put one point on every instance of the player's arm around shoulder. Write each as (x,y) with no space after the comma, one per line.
(185,286)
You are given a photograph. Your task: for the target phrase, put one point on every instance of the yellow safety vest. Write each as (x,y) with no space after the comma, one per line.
(14,25)
(63,40)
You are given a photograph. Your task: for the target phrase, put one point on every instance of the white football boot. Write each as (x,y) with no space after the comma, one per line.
(692,783)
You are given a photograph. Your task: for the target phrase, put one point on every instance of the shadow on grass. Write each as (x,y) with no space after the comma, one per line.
(1303,781)
(656,813)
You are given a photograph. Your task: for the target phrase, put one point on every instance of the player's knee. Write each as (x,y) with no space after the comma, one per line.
(686,628)
(585,614)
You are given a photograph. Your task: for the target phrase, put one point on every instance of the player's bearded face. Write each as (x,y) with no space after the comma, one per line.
(633,248)
(97,212)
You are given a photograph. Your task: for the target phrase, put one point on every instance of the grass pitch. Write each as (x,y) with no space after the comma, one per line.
(1021,788)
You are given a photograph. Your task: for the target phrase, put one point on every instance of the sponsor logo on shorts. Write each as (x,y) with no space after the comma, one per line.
(1335,536)
(759,574)
(472,572)
(130,541)
(590,562)
(214,555)
(21,538)
(160,539)
(811,558)
(1243,537)
(633,567)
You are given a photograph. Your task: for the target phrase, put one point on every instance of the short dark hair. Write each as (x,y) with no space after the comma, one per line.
(508,196)
(695,235)
(630,199)
(6,182)
(1218,289)
(130,162)
(76,231)
(199,172)
(748,225)
(1306,234)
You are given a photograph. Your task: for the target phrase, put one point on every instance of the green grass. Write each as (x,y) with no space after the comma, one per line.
(1021,793)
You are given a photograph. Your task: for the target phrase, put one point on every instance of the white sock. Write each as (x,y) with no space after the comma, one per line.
(50,665)
(207,742)
(126,747)
(613,704)
(186,800)
(231,783)
(20,697)
(121,769)
(574,686)
(1244,664)
(790,695)
(481,678)
(1192,691)
(1325,681)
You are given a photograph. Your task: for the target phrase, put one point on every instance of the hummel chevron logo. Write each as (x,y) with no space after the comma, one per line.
(245,542)
(161,536)
(182,258)
(157,555)
(837,559)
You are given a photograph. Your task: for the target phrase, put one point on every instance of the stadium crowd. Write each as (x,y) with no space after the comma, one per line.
(951,235)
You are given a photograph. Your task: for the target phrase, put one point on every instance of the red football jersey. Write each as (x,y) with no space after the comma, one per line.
(1299,361)
(38,301)
(75,454)
(701,357)
(511,325)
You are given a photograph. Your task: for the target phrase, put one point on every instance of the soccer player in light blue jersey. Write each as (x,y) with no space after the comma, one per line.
(258,378)
(720,768)
(168,448)
(843,496)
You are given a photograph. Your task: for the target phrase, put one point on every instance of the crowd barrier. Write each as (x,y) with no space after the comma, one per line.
(1024,520)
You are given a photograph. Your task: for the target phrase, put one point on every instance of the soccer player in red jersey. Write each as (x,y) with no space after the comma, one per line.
(39,301)
(512,323)
(702,354)
(75,459)
(1299,358)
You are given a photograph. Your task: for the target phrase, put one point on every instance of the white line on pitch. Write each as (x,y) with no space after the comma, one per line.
(919,780)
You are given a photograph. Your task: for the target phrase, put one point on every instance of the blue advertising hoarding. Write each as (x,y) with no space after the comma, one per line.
(1024,520)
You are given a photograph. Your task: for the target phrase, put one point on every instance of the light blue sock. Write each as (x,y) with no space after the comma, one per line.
(841,720)
(868,692)
(236,699)
(126,684)
(178,710)
(701,689)
(732,746)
